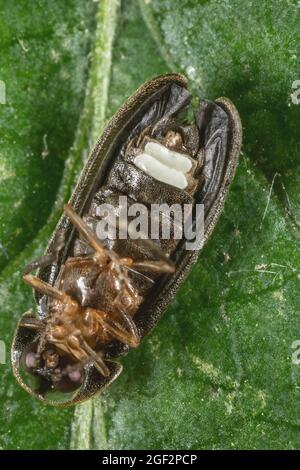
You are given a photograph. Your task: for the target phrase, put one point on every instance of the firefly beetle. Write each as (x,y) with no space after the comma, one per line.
(95,299)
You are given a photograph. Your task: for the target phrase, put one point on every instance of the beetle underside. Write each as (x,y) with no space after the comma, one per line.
(97,299)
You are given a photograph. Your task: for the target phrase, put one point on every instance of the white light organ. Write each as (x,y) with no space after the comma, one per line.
(165,165)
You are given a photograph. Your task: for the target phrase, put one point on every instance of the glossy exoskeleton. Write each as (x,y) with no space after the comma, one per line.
(97,299)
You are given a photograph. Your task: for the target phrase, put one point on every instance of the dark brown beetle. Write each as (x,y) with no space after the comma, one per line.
(97,299)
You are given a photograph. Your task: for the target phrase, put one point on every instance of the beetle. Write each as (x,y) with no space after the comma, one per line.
(97,299)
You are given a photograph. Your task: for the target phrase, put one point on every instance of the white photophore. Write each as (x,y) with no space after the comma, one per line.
(164,164)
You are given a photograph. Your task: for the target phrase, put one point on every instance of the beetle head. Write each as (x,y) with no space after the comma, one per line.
(50,375)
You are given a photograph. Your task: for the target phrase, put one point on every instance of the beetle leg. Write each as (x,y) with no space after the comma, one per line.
(77,221)
(76,346)
(31,322)
(118,331)
(48,258)
(33,325)
(130,323)
(156,250)
(44,288)
(154,266)
(147,278)
(102,255)
(96,359)
(164,265)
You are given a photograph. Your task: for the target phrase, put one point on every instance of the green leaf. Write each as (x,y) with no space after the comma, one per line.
(43,64)
(217,371)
